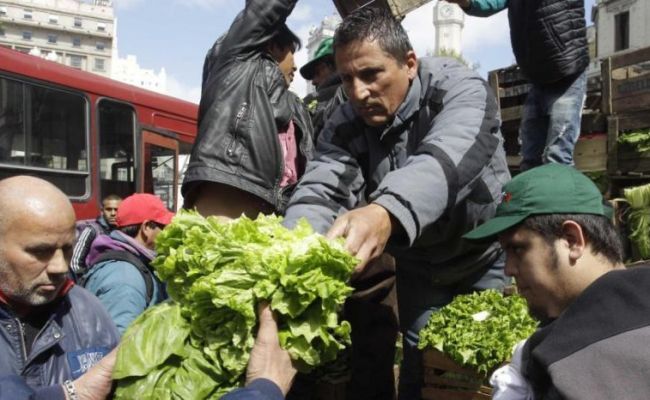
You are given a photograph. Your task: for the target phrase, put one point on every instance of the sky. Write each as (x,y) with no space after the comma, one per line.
(176,34)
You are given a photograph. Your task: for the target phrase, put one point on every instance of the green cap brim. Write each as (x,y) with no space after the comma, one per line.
(494,226)
(307,70)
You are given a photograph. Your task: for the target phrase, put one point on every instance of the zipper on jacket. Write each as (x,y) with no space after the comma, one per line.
(21,332)
(240,115)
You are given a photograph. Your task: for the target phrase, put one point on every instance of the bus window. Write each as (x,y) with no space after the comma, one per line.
(44,129)
(116,144)
(160,172)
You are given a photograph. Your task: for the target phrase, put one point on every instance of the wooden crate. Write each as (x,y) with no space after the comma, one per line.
(626,82)
(398,8)
(590,153)
(444,379)
(623,160)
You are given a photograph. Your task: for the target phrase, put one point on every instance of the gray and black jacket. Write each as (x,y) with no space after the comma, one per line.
(245,102)
(438,169)
(598,348)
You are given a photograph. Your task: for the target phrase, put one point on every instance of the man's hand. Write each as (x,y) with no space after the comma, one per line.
(268,360)
(366,231)
(96,383)
(462,3)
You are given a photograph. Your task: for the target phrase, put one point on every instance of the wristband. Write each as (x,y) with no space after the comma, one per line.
(71,392)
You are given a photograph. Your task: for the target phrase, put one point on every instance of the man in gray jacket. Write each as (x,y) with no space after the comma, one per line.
(410,163)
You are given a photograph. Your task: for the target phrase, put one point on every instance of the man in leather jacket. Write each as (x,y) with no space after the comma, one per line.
(254,134)
(51,331)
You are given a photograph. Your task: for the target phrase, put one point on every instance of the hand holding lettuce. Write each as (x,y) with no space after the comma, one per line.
(197,345)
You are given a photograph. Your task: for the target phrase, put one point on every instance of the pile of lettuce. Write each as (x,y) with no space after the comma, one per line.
(638,198)
(479,330)
(638,140)
(197,345)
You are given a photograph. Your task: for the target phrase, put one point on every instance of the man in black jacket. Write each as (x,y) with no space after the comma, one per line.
(254,135)
(549,39)
(567,260)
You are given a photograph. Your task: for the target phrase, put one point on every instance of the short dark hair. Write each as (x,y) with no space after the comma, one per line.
(111,197)
(284,38)
(373,23)
(131,230)
(598,230)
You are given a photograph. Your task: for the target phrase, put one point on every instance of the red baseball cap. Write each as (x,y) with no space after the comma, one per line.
(141,207)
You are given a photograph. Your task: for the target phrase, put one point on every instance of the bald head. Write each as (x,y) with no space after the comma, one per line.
(30,197)
(37,235)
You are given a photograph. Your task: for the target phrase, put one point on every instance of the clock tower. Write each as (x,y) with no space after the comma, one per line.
(448,20)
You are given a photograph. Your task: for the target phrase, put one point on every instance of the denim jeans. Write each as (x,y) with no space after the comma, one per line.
(550,123)
(417,299)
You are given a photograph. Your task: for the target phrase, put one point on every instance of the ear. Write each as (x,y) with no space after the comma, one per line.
(574,238)
(412,64)
(146,230)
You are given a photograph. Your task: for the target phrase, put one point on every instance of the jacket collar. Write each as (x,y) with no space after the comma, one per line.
(407,109)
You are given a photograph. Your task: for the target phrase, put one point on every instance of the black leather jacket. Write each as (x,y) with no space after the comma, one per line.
(244,104)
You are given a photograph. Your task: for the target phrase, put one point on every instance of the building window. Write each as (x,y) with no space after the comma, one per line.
(27,14)
(27,35)
(76,41)
(99,64)
(3,11)
(77,22)
(75,61)
(51,39)
(101,27)
(54,19)
(100,46)
(622,31)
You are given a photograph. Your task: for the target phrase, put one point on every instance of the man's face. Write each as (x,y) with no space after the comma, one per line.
(538,272)
(34,257)
(109,211)
(322,71)
(286,62)
(375,82)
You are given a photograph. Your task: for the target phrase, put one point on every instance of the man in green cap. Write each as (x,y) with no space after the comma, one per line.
(321,71)
(567,260)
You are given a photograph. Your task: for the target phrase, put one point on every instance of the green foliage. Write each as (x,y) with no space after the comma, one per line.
(639,218)
(197,345)
(639,140)
(479,330)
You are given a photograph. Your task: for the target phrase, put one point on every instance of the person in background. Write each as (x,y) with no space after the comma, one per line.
(254,137)
(412,161)
(549,39)
(120,273)
(321,71)
(567,260)
(88,230)
(52,332)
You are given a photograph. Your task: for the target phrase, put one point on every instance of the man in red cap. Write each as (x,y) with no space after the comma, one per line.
(120,274)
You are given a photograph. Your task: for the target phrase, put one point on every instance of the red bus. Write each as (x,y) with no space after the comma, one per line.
(89,135)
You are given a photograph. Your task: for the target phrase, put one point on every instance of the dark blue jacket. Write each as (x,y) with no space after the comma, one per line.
(78,334)
(259,389)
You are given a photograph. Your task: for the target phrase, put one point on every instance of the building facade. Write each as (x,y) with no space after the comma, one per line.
(128,70)
(621,25)
(77,33)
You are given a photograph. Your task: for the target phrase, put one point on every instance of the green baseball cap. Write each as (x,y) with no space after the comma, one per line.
(548,189)
(325,49)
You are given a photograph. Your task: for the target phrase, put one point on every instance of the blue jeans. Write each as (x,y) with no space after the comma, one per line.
(550,123)
(417,299)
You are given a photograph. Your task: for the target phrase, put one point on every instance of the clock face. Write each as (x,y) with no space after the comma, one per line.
(446,10)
